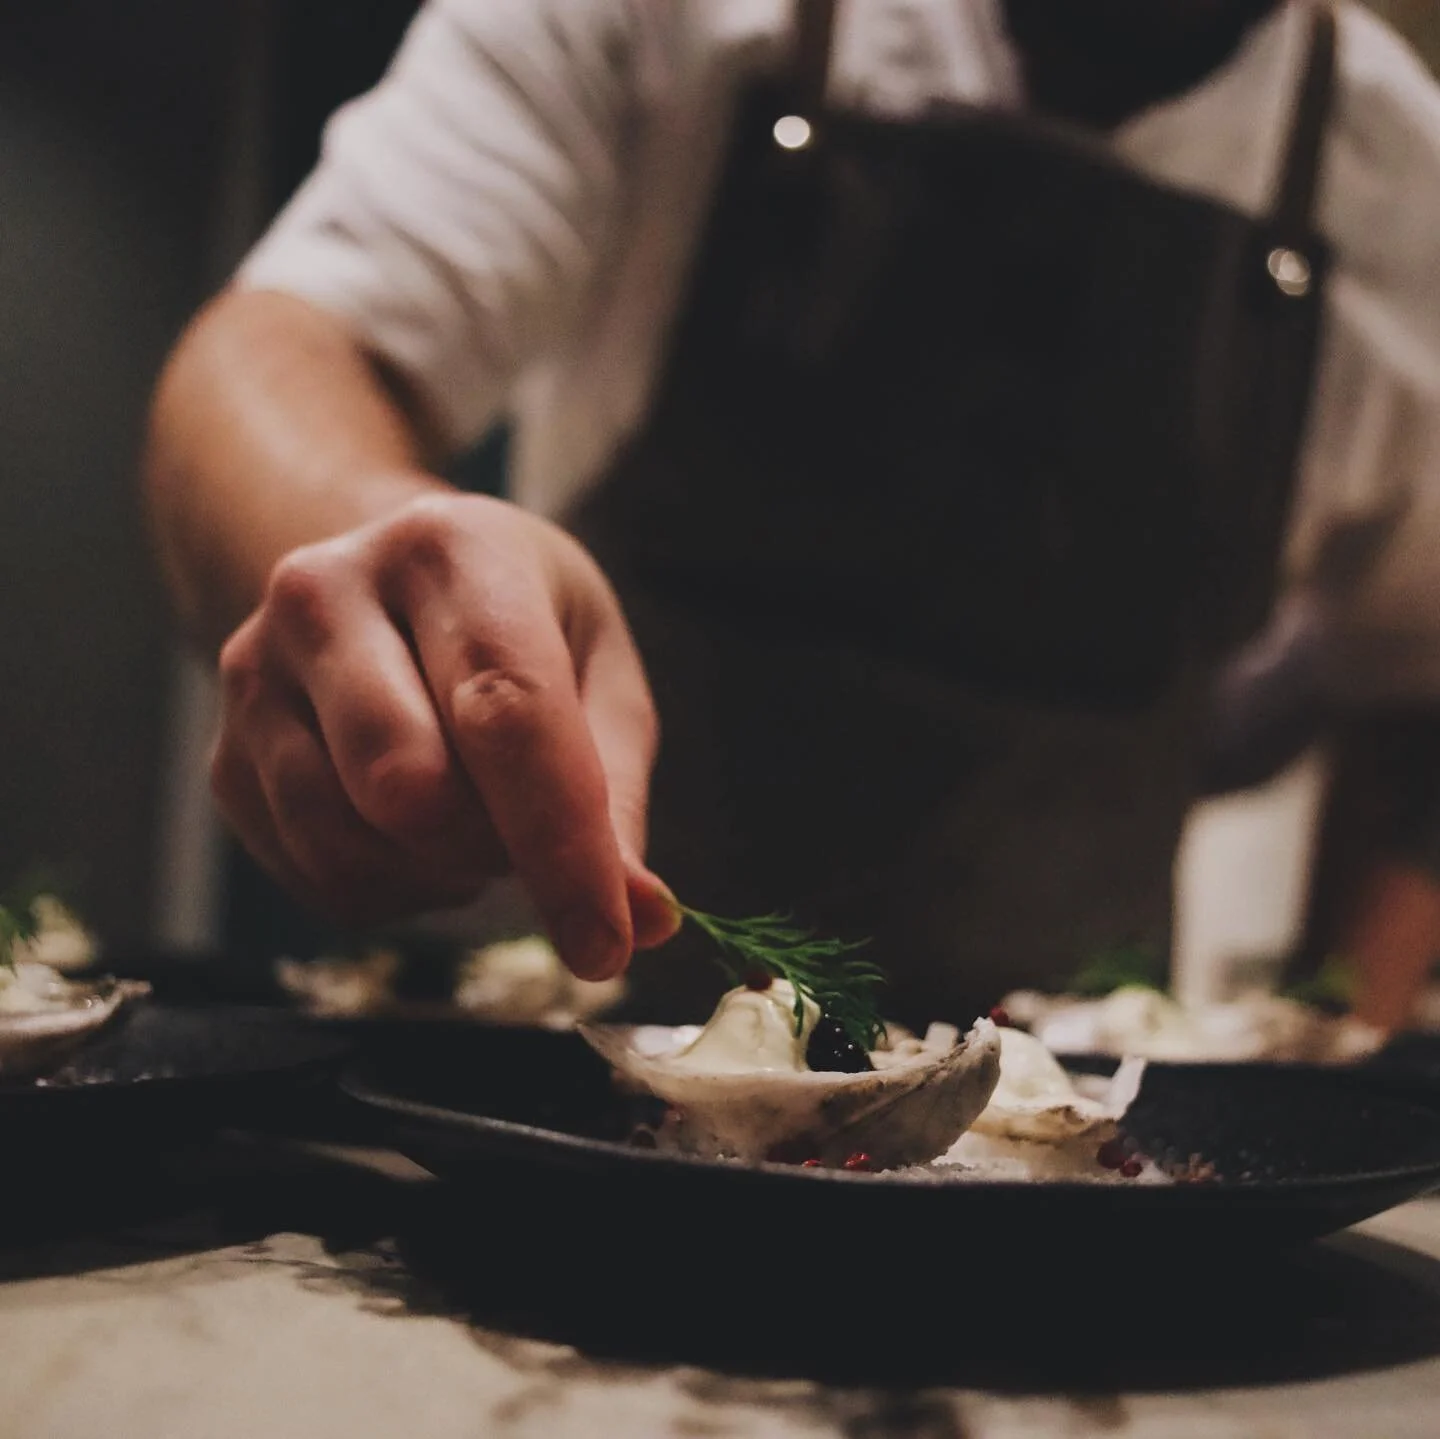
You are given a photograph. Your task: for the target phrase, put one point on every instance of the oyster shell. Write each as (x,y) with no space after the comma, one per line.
(44,1018)
(1037,1100)
(739,1088)
(1037,1124)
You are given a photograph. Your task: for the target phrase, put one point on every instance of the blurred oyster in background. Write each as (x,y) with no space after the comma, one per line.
(45,1017)
(60,940)
(523,981)
(516,981)
(339,987)
(1140,1021)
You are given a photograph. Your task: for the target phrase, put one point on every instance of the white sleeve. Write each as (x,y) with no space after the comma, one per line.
(460,210)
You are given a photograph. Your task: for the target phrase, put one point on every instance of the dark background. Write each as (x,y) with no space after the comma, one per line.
(111,130)
(142,147)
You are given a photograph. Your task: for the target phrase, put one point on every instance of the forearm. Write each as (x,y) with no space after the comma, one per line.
(1393,940)
(1393,935)
(270,429)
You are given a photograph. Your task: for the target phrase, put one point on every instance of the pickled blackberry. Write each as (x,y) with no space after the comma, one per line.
(833,1051)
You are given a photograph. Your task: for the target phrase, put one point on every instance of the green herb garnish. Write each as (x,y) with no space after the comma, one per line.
(16,926)
(1332,986)
(1118,966)
(842,989)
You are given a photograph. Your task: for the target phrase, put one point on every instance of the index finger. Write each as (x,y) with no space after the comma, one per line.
(622,720)
(504,683)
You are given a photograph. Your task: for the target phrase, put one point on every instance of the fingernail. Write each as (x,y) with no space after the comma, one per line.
(658,890)
(640,873)
(589,947)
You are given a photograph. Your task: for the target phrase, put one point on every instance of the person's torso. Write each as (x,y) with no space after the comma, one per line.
(1223,139)
(911,516)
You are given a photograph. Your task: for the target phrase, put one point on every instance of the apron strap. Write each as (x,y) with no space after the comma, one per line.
(814,32)
(1293,216)
(1295,202)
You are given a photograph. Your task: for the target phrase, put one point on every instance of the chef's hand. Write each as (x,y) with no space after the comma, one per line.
(440,697)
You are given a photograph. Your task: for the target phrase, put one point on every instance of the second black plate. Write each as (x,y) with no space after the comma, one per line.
(162,1074)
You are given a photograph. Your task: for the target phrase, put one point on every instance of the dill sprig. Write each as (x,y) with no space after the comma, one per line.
(842,989)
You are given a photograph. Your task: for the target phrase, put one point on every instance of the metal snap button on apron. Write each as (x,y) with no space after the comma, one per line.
(1290,270)
(792,132)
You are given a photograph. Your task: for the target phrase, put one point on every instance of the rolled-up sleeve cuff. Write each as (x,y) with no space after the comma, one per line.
(390,309)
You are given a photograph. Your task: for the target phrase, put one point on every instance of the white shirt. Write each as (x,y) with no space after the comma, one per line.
(508,215)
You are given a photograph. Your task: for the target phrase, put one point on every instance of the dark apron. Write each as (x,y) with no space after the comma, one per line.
(971,458)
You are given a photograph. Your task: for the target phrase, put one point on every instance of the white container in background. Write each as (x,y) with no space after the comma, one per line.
(1242,883)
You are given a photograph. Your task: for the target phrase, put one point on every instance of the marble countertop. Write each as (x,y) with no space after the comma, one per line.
(266,1288)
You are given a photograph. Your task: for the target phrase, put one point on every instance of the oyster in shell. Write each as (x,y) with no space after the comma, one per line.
(1037,1124)
(740,1087)
(44,1017)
